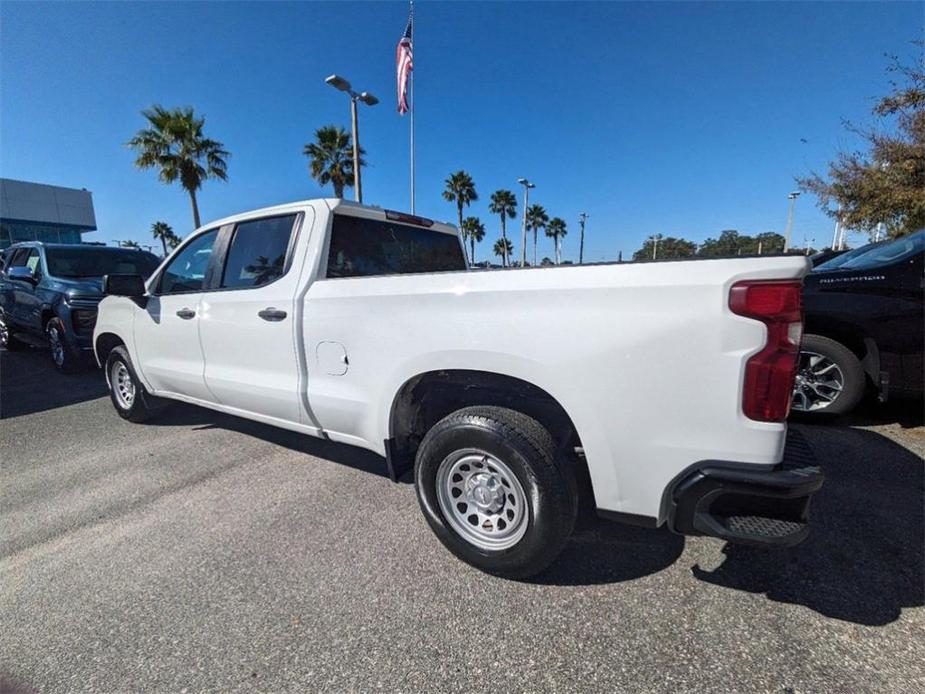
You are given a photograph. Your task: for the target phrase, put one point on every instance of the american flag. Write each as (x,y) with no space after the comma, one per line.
(403,64)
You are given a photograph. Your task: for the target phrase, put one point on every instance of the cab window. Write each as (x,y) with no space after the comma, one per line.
(257,253)
(187,271)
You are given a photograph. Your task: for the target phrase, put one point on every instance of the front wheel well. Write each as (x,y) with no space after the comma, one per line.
(105,343)
(429,397)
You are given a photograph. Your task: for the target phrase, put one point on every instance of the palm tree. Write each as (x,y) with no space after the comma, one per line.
(503,203)
(503,248)
(174,241)
(331,156)
(163,231)
(556,230)
(460,189)
(175,145)
(130,243)
(536,220)
(474,231)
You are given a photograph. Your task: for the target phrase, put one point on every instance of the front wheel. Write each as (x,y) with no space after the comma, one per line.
(66,359)
(126,391)
(829,379)
(494,491)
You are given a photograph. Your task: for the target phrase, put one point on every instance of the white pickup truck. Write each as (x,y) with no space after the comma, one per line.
(667,384)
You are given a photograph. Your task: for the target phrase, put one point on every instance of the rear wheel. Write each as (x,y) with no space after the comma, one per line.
(126,391)
(8,341)
(829,380)
(492,488)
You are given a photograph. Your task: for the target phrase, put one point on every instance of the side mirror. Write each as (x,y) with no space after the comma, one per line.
(132,286)
(21,273)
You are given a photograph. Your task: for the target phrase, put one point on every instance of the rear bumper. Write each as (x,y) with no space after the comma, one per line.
(764,507)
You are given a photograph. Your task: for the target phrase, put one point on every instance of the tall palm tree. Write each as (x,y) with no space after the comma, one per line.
(503,249)
(474,231)
(175,145)
(536,220)
(503,203)
(331,156)
(556,230)
(164,232)
(460,188)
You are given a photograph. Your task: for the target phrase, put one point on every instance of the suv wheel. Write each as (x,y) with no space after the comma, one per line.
(829,380)
(7,340)
(65,358)
(492,488)
(126,391)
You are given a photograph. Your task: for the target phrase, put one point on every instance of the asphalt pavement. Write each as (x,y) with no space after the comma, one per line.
(207,553)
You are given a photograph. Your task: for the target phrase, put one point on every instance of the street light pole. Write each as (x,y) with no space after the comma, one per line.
(523,234)
(582,218)
(355,122)
(792,197)
(343,85)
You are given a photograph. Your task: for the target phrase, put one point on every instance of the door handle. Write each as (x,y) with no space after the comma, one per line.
(272,314)
(186,313)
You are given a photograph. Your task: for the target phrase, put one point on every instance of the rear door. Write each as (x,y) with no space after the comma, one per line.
(167,330)
(247,325)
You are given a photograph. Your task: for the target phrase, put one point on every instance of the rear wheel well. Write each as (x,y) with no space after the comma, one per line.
(429,397)
(863,347)
(105,343)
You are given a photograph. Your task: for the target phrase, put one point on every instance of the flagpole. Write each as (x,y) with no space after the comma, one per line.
(411,93)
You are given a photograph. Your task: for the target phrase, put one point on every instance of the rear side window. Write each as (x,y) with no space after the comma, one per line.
(257,254)
(368,247)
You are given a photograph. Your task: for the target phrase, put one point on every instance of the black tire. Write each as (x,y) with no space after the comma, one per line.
(528,450)
(143,406)
(64,356)
(853,379)
(8,339)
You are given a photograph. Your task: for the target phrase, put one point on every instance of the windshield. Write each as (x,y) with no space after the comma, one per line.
(839,260)
(890,252)
(96,261)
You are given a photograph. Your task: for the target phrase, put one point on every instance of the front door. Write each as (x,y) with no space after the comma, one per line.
(248,327)
(167,330)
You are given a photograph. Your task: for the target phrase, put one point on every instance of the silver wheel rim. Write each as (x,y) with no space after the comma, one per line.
(819,382)
(123,387)
(482,499)
(57,346)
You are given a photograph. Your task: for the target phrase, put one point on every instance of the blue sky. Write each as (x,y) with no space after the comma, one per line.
(681,119)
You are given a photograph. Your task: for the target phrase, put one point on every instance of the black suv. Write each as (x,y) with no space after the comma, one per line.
(49,293)
(863,327)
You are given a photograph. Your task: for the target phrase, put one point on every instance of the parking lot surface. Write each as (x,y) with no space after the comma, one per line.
(208,553)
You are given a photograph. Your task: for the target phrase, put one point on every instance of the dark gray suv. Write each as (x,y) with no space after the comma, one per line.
(49,294)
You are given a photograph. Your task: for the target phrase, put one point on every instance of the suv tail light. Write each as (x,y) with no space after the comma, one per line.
(769,374)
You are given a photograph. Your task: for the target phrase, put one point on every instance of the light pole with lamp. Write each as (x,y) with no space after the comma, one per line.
(343,85)
(792,197)
(523,246)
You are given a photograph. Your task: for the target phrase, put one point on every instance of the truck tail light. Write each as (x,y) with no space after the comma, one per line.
(769,374)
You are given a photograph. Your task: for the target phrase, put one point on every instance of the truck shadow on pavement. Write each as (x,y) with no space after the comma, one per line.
(30,384)
(181,414)
(863,561)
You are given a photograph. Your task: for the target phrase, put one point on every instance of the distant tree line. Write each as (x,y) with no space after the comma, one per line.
(729,243)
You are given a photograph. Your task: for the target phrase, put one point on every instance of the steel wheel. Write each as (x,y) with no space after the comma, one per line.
(482,499)
(122,385)
(819,382)
(57,344)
